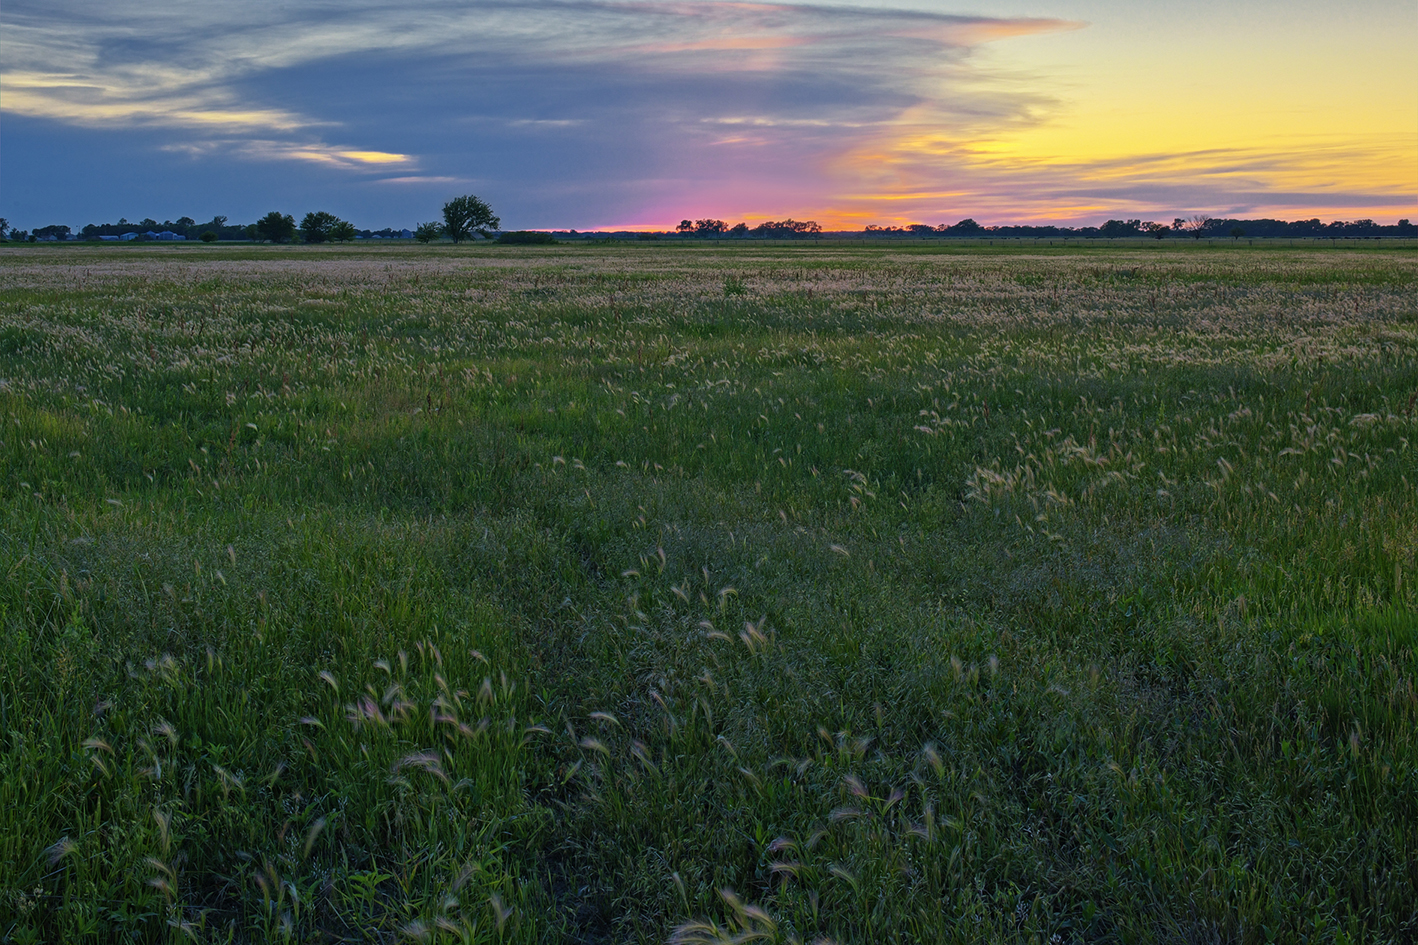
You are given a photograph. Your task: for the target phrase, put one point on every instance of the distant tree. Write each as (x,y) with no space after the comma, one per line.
(276,227)
(741,229)
(209,237)
(342,232)
(320,227)
(1237,232)
(1156,230)
(315,227)
(186,221)
(966,225)
(428,232)
(921,229)
(150,223)
(5,227)
(56,231)
(218,220)
(709,227)
(685,226)
(1115,229)
(787,229)
(1198,225)
(466,215)
(251,232)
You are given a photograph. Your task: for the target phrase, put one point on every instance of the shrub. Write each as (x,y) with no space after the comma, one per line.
(526,238)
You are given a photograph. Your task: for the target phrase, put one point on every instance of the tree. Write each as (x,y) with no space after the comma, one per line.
(428,232)
(317,227)
(685,226)
(466,215)
(186,221)
(1237,232)
(342,232)
(276,227)
(1156,230)
(739,229)
(1198,225)
(1114,229)
(5,227)
(209,237)
(709,227)
(787,229)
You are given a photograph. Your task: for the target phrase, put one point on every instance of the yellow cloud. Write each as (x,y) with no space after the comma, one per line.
(373,157)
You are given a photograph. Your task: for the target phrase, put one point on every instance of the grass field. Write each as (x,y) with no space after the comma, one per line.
(626,593)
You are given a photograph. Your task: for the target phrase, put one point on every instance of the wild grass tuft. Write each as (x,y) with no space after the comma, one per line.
(783,594)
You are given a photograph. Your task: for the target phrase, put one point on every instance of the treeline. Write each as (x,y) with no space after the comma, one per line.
(315,227)
(466,217)
(1196,227)
(463,218)
(771,229)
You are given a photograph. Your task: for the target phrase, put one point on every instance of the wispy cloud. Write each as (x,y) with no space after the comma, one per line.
(898,175)
(619,106)
(589,112)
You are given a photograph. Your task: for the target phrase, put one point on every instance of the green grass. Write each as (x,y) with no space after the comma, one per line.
(601,593)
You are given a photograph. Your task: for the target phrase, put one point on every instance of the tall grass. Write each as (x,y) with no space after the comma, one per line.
(606,593)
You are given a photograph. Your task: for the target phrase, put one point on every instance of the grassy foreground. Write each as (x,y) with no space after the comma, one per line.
(626,593)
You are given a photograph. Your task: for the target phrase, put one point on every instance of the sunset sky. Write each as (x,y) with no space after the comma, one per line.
(637,114)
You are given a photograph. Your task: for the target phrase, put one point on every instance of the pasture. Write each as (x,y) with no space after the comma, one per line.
(621,593)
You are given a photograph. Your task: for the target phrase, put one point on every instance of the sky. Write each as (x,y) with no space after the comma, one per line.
(590,114)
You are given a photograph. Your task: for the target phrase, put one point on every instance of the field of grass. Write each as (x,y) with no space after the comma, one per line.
(627,593)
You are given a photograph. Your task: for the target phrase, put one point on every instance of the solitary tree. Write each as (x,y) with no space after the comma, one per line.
(1237,232)
(428,232)
(275,226)
(466,215)
(317,226)
(1199,225)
